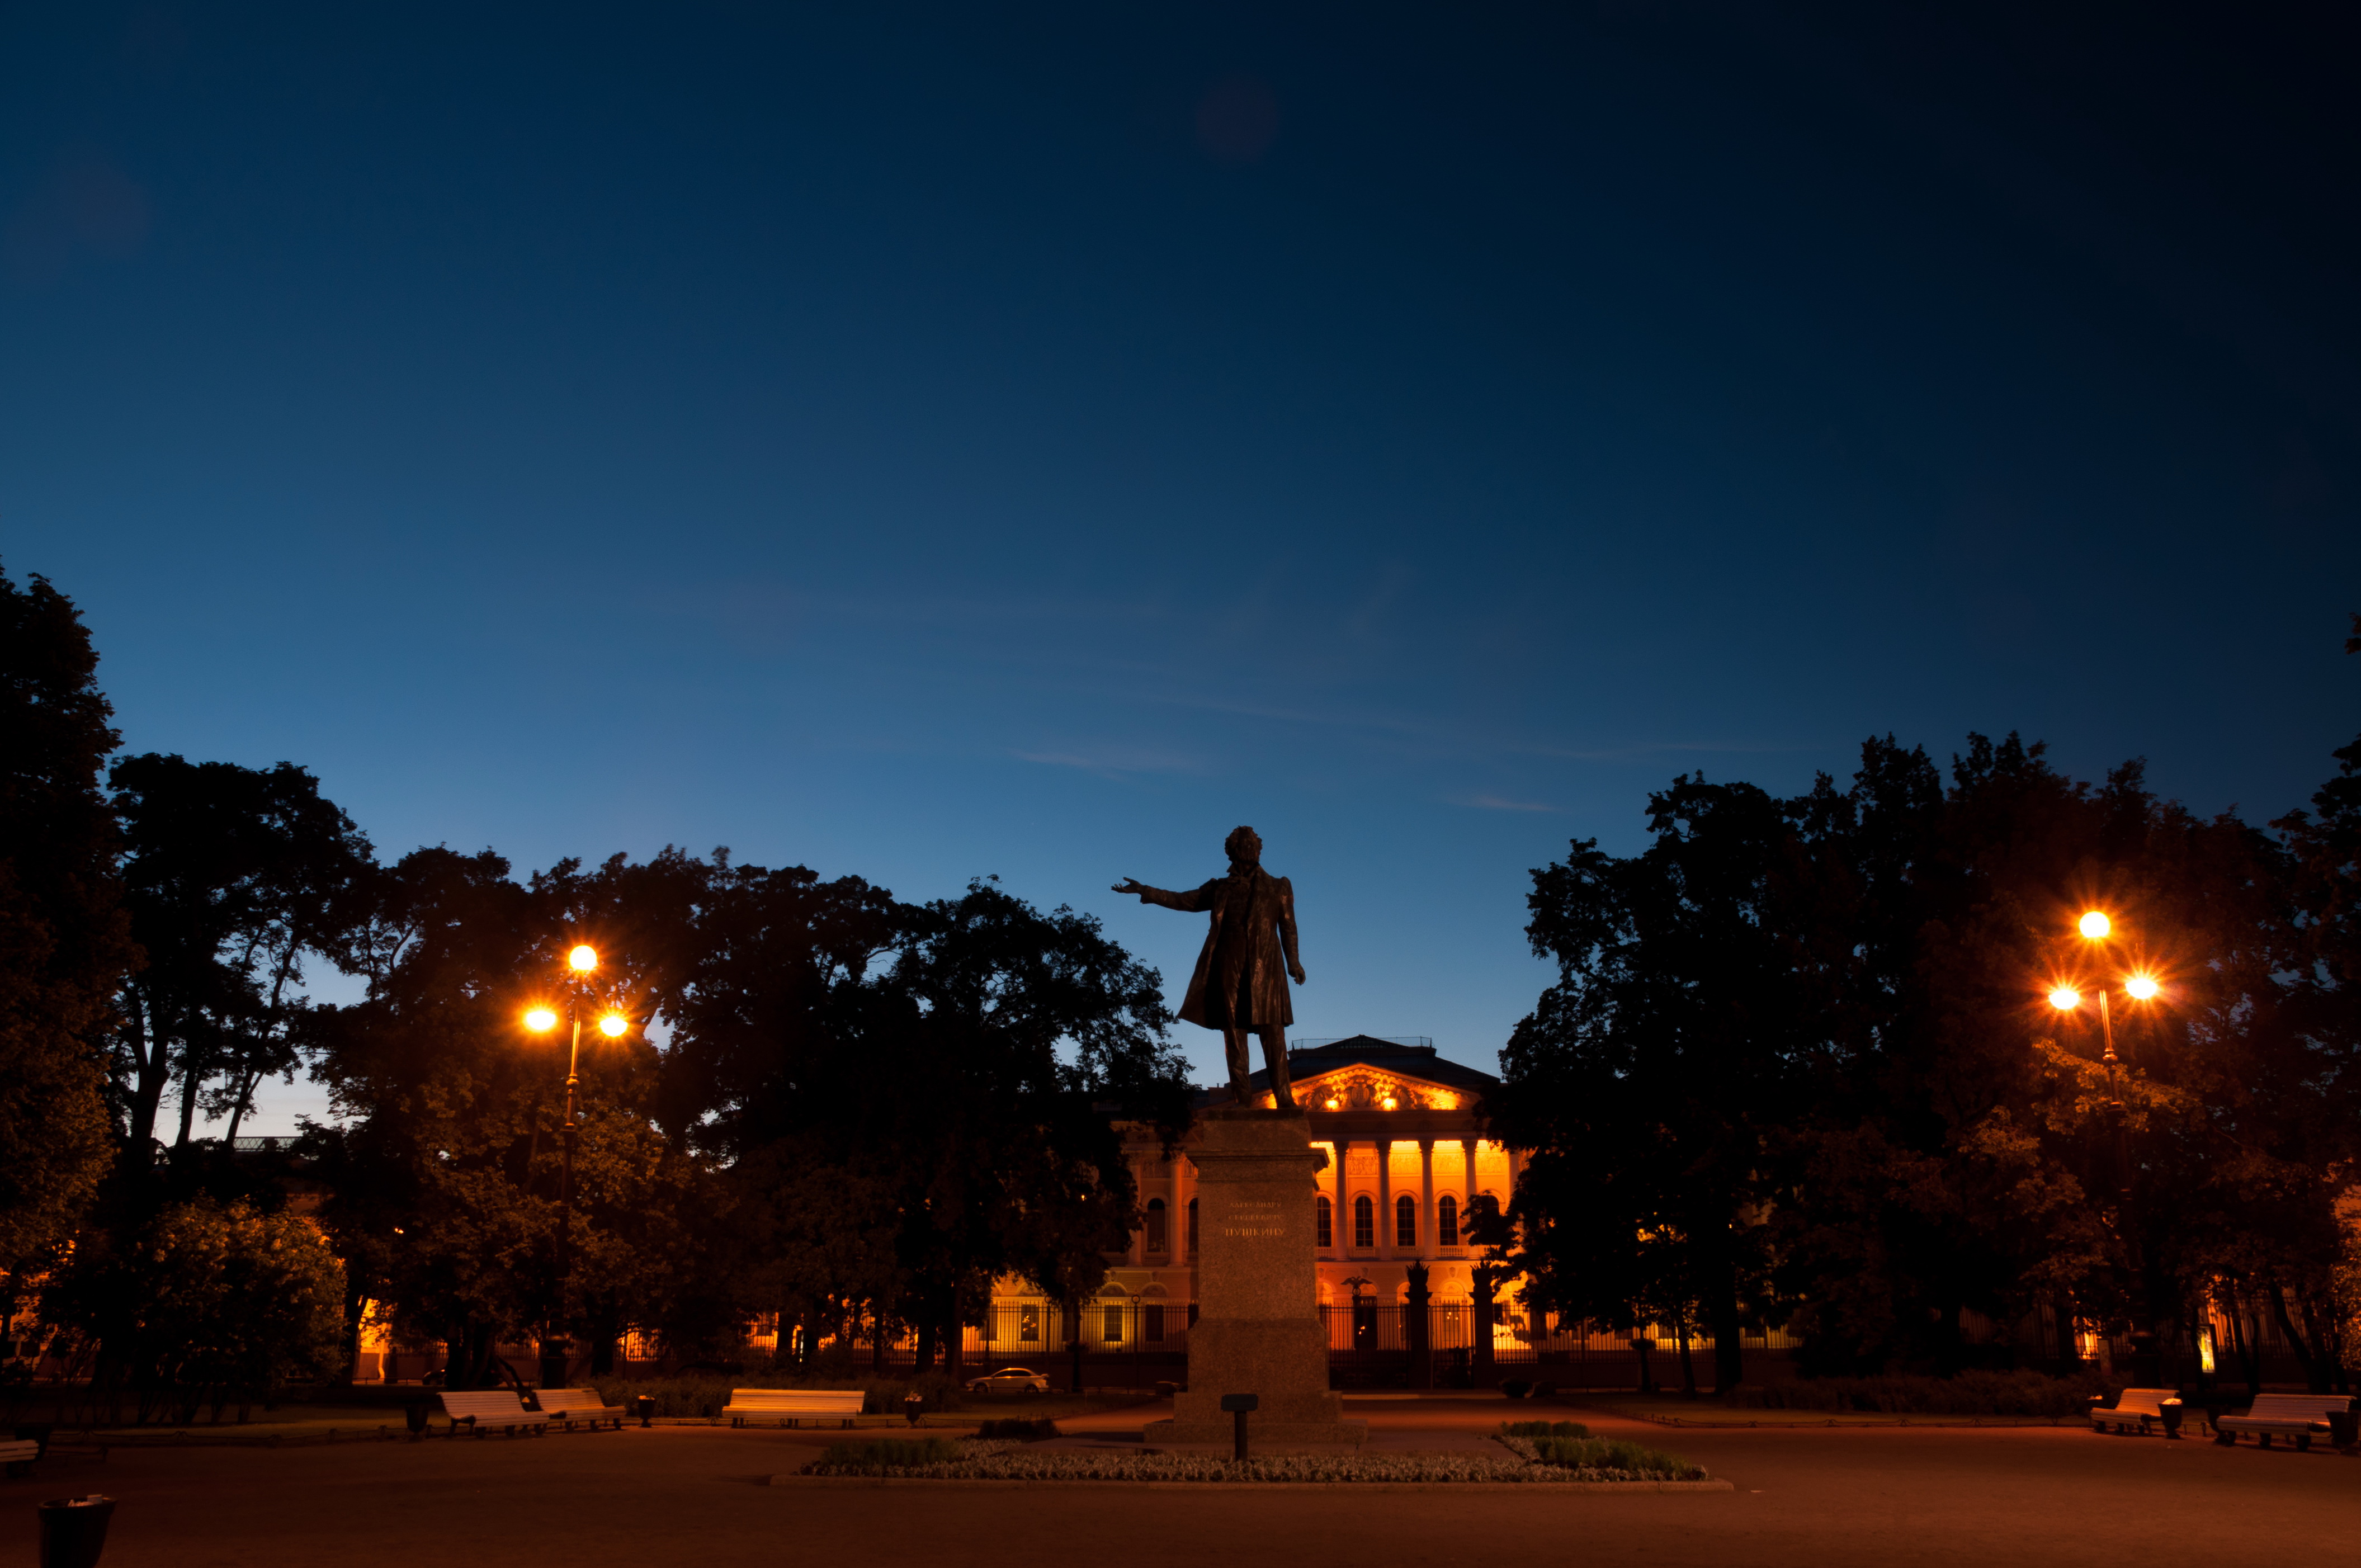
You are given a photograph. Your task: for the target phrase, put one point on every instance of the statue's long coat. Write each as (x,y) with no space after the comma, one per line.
(1241,977)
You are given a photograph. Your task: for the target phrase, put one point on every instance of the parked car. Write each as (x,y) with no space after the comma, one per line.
(1009,1380)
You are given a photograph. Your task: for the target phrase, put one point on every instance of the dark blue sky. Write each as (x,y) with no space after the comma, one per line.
(925,443)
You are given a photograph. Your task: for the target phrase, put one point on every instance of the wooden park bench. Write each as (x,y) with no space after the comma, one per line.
(2299,1416)
(793,1406)
(488,1409)
(584,1404)
(18,1454)
(2135,1410)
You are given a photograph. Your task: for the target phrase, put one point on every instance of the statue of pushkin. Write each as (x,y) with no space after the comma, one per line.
(1239,987)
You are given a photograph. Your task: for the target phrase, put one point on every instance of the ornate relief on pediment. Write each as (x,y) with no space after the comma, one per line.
(1362,1089)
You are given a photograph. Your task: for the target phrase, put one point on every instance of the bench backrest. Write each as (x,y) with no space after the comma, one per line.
(2296,1406)
(800,1401)
(564,1401)
(2145,1401)
(484,1404)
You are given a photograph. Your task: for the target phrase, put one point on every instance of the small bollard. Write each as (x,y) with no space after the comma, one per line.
(1238,1405)
(912,1404)
(73,1530)
(646,1406)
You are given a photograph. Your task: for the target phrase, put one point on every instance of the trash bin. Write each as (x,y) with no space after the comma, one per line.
(416,1414)
(2173,1411)
(646,1406)
(73,1530)
(2344,1428)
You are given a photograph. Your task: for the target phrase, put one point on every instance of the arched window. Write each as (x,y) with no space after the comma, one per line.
(1365,1223)
(1324,1220)
(1192,1227)
(1158,1238)
(1446,1220)
(1406,1222)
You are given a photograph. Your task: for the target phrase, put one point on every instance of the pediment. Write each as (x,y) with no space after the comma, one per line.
(1369,1089)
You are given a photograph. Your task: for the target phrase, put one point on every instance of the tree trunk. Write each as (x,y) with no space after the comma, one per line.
(926,1343)
(1688,1366)
(955,1339)
(356,1298)
(1729,1327)
(2304,1354)
(2250,1356)
(2063,1311)
(1486,1314)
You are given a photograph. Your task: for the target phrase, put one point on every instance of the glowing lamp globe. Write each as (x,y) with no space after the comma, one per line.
(584,957)
(2142,987)
(2065,999)
(612,1026)
(541,1020)
(2095,925)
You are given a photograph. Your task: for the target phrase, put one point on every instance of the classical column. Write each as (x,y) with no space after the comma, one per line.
(1176,1219)
(1427,1233)
(1466,1184)
(1340,1213)
(1385,1198)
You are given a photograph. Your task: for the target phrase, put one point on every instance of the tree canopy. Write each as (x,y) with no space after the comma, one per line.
(1801,1060)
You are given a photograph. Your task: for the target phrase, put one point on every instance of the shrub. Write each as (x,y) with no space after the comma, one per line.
(210,1303)
(1018,1428)
(878,1455)
(1516,1387)
(1544,1429)
(687,1396)
(2022,1393)
(1612,1454)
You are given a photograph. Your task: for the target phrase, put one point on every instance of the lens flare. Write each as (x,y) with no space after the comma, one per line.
(2143,987)
(541,1020)
(2095,925)
(584,957)
(612,1025)
(2065,999)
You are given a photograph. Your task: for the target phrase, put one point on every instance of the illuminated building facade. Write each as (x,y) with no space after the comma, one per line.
(1405,1158)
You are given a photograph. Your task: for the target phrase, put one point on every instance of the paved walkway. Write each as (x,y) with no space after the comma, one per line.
(685,1494)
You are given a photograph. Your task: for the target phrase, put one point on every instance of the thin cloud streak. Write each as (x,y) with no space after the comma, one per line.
(1500,803)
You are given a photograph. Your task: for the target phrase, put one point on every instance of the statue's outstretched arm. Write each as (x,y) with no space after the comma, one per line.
(1189,902)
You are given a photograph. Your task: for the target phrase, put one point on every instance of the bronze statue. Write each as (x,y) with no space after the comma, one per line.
(1238,988)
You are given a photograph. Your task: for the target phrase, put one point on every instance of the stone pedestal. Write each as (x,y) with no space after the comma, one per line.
(1257,1329)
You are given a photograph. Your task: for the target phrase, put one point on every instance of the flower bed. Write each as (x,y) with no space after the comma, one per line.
(1010,1462)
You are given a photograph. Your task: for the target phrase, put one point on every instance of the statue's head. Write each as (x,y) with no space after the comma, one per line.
(1244,846)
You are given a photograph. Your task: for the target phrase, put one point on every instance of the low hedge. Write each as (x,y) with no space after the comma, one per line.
(704,1393)
(2023,1393)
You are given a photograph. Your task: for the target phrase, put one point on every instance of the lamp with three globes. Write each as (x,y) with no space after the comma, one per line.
(557,1355)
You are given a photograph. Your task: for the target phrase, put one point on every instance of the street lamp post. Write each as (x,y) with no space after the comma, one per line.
(2147,1361)
(557,1351)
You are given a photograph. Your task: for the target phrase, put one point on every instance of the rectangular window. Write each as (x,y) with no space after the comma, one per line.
(1406,1222)
(1028,1324)
(1364,1223)
(1151,1323)
(1446,1221)
(1113,1335)
(1324,1220)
